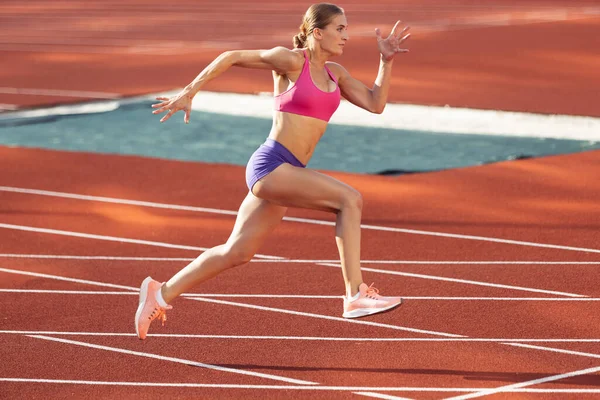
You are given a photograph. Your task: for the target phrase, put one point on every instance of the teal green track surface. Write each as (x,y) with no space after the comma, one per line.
(216,138)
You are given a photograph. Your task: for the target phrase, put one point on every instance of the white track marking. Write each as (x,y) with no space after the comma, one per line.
(78,234)
(105,293)
(63,278)
(293,387)
(106,258)
(321,316)
(440,278)
(504,389)
(279,310)
(169,245)
(303,220)
(262,260)
(306,338)
(115,200)
(61,93)
(381,396)
(404,262)
(555,350)
(479,238)
(99,237)
(300,296)
(111,238)
(176,360)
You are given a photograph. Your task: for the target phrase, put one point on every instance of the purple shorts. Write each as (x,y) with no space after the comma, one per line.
(270,155)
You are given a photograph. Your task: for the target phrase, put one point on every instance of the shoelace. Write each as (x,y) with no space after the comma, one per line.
(158,313)
(372,292)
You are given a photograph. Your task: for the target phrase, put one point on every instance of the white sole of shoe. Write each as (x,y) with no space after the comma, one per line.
(361,312)
(143,295)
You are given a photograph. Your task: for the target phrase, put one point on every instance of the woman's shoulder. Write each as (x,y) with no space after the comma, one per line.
(294,57)
(295,53)
(336,69)
(291,60)
(300,55)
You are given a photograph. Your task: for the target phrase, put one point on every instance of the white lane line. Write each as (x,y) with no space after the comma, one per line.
(307,338)
(107,293)
(381,396)
(391,262)
(469,282)
(321,316)
(299,296)
(303,220)
(286,387)
(111,238)
(508,388)
(480,238)
(169,245)
(99,237)
(63,278)
(176,360)
(96,258)
(61,93)
(115,200)
(555,350)
(279,310)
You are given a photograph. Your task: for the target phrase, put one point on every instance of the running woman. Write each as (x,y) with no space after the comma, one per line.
(308,88)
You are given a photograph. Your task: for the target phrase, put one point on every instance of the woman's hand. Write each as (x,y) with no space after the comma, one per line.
(180,102)
(391,45)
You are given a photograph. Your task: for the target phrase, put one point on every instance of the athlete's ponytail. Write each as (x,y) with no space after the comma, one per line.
(317,16)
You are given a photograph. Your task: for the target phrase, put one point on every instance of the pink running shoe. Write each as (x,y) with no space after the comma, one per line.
(369,302)
(149,309)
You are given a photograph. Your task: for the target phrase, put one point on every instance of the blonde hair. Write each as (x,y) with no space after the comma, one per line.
(317,16)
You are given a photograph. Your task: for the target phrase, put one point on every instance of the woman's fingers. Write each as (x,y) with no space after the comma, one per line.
(172,105)
(163,104)
(395,28)
(407,27)
(161,110)
(166,117)
(404,38)
(399,35)
(378,34)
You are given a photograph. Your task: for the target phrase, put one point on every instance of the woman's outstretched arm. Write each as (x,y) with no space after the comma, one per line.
(374,99)
(278,59)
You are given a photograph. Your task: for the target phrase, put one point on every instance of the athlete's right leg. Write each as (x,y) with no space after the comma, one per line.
(255,220)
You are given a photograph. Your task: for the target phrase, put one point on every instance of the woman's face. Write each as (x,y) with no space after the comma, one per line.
(335,35)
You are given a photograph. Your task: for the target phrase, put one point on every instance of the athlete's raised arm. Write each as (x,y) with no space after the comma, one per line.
(278,59)
(374,99)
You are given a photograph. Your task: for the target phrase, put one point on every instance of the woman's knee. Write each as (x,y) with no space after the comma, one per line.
(238,254)
(353,199)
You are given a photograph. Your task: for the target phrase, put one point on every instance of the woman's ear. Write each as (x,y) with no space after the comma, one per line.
(317,33)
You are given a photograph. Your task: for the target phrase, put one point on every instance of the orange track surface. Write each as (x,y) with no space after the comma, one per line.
(514,200)
(547,207)
(134,48)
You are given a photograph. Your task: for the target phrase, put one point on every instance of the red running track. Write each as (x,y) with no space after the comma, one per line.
(529,55)
(497,263)
(498,268)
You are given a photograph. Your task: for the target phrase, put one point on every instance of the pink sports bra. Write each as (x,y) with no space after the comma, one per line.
(305,98)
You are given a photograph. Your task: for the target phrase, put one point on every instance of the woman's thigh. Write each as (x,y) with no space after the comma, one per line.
(291,186)
(255,220)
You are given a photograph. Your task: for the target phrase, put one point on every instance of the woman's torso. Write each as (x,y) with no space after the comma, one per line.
(299,133)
